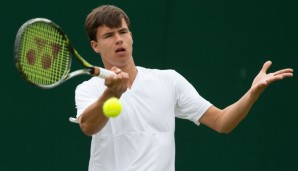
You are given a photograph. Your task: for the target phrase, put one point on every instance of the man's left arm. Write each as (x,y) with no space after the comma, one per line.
(225,120)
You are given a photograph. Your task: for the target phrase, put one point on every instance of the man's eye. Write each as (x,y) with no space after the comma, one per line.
(123,32)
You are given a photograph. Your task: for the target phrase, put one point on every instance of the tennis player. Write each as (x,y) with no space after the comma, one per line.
(142,137)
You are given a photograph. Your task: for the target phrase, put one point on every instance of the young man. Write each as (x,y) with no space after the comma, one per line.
(142,137)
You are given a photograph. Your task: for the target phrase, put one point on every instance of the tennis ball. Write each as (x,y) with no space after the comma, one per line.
(112,107)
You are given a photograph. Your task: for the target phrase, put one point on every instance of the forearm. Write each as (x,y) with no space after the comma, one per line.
(93,120)
(227,119)
(232,115)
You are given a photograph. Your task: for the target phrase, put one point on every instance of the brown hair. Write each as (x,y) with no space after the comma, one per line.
(105,15)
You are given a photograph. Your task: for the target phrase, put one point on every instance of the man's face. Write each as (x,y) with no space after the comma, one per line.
(114,45)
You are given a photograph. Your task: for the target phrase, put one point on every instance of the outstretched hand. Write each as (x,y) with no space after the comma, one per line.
(262,80)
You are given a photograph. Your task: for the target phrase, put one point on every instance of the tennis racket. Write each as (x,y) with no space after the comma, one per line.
(43,55)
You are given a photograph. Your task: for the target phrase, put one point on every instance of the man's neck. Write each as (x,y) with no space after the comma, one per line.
(132,71)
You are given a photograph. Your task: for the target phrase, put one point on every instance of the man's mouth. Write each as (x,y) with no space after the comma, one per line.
(119,50)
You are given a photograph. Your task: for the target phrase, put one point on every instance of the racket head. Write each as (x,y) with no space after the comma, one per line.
(43,53)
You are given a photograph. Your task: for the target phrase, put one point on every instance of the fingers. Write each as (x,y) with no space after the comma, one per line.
(119,73)
(117,83)
(263,79)
(116,70)
(287,71)
(266,66)
(279,75)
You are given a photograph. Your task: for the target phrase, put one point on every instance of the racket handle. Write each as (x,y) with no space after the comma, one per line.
(102,73)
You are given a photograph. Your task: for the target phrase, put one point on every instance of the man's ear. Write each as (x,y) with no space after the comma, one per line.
(94,46)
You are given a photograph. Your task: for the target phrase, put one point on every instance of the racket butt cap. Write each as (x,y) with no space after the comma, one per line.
(73,120)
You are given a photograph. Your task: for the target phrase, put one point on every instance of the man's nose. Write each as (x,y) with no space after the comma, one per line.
(118,39)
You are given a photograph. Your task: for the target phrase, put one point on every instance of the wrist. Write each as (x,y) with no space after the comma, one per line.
(254,94)
(110,93)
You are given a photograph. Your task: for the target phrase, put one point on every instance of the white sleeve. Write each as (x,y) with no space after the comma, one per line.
(189,103)
(86,94)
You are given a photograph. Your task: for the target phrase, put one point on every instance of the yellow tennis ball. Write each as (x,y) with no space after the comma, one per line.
(112,107)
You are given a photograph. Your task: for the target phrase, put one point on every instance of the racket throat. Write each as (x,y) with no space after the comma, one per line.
(86,71)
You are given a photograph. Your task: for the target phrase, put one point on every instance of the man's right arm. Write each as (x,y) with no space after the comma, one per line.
(92,119)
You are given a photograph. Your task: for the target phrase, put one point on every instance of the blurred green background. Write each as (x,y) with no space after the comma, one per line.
(219,46)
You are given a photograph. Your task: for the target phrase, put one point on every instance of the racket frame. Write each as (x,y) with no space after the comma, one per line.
(88,70)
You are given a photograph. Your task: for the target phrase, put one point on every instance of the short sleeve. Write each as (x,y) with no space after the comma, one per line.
(87,93)
(189,103)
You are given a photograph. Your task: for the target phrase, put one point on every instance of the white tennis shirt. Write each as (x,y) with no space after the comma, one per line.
(141,138)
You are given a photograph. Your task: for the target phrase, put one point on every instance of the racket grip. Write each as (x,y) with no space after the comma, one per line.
(102,73)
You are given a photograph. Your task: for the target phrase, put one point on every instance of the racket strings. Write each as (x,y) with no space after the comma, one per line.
(44,54)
